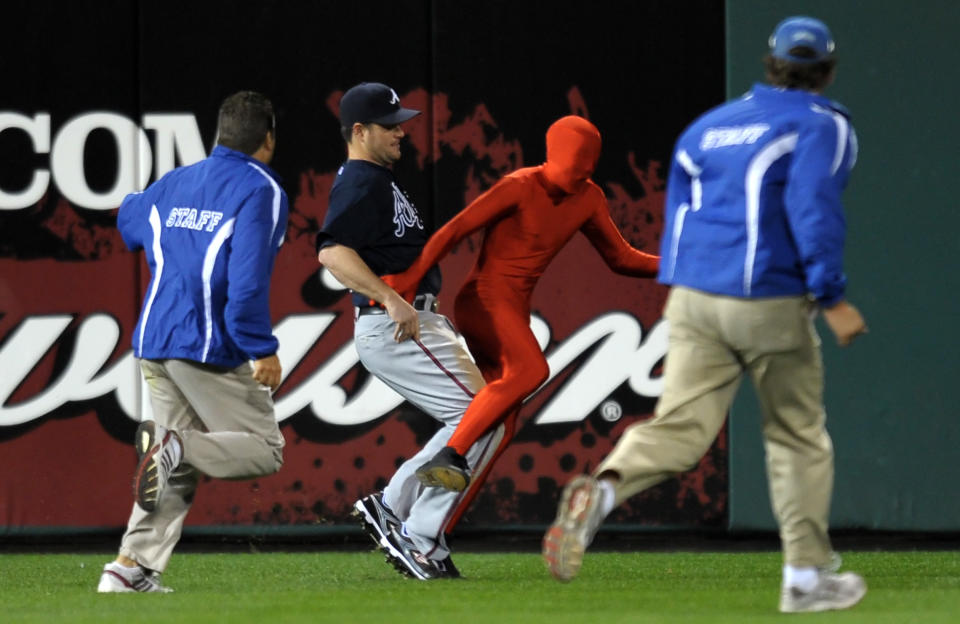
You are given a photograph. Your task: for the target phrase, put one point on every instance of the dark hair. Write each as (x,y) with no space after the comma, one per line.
(807,76)
(346,133)
(244,121)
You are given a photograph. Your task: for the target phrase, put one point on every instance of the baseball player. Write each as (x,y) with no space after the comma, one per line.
(527,218)
(372,229)
(210,232)
(753,247)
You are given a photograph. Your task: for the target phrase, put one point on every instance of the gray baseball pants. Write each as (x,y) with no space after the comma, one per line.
(437,375)
(713,341)
(226,421)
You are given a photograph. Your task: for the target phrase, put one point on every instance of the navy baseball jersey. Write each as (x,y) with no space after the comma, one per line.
(371,213)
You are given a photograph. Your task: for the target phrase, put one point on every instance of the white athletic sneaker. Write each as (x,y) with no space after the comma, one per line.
(118,578)
(160,452)
(832,591)
(578,518)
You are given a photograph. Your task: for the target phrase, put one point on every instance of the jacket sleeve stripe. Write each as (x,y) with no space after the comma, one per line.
(675,240)
(696,188)
(276,200)
(209,260)
(753,184)
(155,225)
(843,132)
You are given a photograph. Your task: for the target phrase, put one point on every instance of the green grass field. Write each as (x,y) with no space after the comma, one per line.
(360,587)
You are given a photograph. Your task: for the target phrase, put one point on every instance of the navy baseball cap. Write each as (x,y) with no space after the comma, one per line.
(800,31)
(373,102)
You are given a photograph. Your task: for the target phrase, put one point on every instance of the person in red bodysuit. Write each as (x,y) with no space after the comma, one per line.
(528,216)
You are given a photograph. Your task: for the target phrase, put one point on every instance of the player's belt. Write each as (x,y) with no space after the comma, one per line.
(424,303)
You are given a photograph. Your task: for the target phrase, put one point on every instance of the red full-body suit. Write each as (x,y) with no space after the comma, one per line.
(528,216)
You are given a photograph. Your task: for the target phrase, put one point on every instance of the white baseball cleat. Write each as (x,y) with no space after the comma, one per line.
(832,591)
(118,578)
(578,518)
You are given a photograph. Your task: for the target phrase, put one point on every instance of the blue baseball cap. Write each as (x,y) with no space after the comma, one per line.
(805,32)
(373,102)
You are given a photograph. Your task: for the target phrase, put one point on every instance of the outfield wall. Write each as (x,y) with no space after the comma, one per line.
(890,401)
(104,96)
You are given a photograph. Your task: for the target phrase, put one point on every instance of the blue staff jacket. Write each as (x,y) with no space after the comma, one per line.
(753,198)
(210,232)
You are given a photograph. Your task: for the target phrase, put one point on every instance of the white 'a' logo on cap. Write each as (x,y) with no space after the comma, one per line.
(395,99)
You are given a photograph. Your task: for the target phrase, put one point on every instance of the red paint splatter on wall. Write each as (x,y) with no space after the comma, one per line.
(326,470)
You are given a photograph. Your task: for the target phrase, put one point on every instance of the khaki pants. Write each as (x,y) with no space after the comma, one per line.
(226,421)
(713,341)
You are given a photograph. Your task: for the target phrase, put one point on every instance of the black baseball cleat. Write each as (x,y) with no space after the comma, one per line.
(374,517)
(384,528)
(446,568)
(448,469)
(409,561)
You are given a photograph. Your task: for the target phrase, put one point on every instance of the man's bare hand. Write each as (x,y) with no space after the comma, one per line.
(267,371)
(845,322)
(406,317)
(348,267)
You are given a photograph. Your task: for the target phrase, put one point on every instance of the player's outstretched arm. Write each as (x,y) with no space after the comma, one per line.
(350,269)
(615,250)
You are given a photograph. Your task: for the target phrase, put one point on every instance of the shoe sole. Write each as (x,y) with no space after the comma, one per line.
(145,485)
(563,546)
(145,489)
(144,438)
(143,441)
(443,476)
(562,553)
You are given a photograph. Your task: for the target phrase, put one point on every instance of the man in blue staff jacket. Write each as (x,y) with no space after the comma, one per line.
(210,232)
(752,249)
